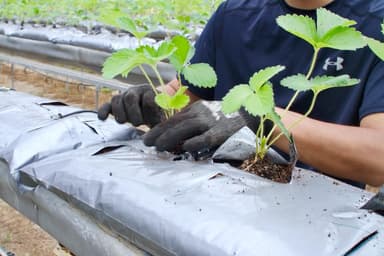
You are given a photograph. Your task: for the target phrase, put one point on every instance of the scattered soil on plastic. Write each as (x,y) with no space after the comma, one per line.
(267,169)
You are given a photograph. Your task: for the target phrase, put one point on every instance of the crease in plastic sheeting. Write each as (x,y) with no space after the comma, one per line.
(19,120)
(92,150)
(27,124)
(364,242)
(62,135)
(349,220)
(179,206)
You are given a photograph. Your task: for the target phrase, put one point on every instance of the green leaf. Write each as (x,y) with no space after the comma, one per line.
(342,38)
(261,77)
(377,47)
(297,82)
(317,84)
(179,101)
(147,50)
(165,50)
(260,103)
(122,62)
(130,26)
(200,75)
(126,24)
(235,98)
(183,54)
(321,83)
(110,17)
(301,26)
(163,100)
(181,90)
(327,20)
(154,55)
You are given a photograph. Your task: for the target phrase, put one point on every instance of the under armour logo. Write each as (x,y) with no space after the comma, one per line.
(338,63)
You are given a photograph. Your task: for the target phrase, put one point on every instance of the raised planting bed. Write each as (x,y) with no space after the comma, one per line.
(167,204)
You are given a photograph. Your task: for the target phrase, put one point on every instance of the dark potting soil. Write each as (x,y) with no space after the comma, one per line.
(267,169)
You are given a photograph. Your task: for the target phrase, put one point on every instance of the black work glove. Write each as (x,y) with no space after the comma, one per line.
(136,106)
(200,126)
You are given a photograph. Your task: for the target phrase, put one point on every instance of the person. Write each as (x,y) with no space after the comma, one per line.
(344,135)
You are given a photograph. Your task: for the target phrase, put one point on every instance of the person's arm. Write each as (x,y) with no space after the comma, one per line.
(355,153)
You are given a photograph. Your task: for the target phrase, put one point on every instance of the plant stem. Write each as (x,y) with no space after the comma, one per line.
(148,79)
(307,113)
(314,59)
(168,113)
(309,74)
(162,84)
(298,120)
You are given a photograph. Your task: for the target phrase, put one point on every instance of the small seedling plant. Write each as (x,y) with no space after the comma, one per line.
(177,50)
(257,98)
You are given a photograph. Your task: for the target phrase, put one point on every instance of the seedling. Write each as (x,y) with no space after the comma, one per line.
(330,31)
(178,50)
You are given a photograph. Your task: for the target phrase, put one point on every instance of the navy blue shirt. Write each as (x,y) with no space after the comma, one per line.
(243,37)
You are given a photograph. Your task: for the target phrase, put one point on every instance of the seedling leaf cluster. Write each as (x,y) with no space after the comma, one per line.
(178,50)
(329,31)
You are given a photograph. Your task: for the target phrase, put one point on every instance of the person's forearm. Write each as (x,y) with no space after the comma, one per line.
(355,153)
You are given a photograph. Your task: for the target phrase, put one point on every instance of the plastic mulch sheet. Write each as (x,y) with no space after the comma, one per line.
(169,205)
(33,128)
(200,208)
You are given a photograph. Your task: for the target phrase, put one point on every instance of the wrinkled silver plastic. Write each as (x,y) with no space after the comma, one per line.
(68,225)
(170,207)
(195,208)
(34,128)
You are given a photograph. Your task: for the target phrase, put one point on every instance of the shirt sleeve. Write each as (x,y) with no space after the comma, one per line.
(205,52)
(373,98)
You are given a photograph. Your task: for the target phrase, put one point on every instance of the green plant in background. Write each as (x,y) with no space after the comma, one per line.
(178,50)
(330,31)
(181,15)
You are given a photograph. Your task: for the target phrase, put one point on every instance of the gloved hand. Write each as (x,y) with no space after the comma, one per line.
(199,126)
(136,105)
